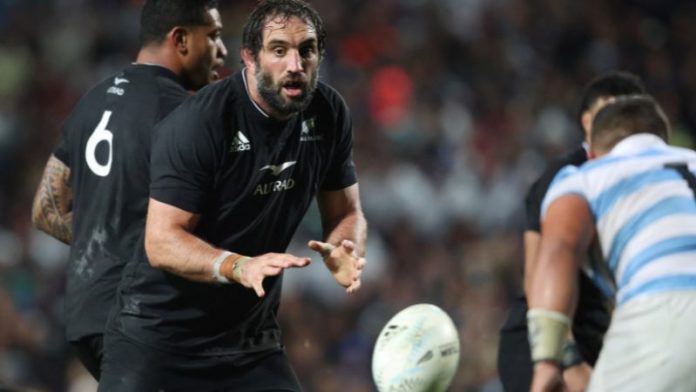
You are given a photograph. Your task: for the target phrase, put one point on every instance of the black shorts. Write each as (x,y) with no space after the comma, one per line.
(515,361)
(90,351)
(514,357)
(130,366)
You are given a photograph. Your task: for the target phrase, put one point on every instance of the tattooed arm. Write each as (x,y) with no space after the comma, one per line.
(52,210)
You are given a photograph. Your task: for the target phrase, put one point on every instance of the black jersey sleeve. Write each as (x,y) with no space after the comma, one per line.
(184,156)
(533,200)
(62,149)
(341,172)
(538,190)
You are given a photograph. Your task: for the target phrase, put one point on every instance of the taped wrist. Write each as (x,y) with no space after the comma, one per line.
(237,267)
(217,266)
(547,334)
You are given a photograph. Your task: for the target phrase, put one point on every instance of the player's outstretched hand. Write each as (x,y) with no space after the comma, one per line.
(251,273)
(342,261)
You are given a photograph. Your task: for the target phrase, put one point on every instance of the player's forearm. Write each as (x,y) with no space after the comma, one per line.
(182,253)
(352,226)
(51,210)
(551,301)
(554,285)
(171,246)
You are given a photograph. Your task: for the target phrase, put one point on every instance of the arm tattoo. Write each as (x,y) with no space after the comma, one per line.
(52,211)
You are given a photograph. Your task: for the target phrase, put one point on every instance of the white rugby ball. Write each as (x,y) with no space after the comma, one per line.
(417,351)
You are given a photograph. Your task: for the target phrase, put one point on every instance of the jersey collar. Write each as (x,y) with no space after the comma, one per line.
(637,142)
(159,70)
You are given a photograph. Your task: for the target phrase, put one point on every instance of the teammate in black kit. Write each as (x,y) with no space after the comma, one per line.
(94,191)
(233,171)
(592,316)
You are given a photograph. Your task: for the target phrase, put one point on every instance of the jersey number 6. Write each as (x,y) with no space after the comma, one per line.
(100,134)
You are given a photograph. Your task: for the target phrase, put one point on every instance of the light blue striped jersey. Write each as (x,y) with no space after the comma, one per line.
(644,212)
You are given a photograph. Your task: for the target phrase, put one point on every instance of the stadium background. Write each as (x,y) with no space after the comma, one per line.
(457,106)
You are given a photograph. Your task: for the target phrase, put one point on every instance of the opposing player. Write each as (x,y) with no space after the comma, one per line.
(94,191)
(592,317)
(639,198)
(233,171)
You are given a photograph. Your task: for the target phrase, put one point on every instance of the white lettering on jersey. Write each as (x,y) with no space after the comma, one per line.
(100,134)
(115,90)
(274,186)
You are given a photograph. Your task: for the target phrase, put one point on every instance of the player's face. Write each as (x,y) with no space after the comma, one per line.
(287,65)
(207,52)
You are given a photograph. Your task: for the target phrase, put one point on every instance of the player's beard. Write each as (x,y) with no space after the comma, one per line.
(272,93)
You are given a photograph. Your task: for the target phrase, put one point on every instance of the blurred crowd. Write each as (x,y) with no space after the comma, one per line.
(457,106)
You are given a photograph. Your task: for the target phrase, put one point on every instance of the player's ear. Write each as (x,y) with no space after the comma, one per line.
(586,120)
(248,59)
(179,37)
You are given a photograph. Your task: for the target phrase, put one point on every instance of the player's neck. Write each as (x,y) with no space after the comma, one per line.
(158,56)
(259,102)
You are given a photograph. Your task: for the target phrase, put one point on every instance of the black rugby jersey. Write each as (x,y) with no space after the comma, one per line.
(251,178)
(106,143)
(592,315)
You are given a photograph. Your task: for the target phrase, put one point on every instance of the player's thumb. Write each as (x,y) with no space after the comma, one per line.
(321,247)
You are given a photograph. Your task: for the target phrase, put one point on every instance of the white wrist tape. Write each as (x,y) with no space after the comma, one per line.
(547,334)
(216,267)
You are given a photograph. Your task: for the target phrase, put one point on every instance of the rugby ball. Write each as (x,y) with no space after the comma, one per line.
(416,351)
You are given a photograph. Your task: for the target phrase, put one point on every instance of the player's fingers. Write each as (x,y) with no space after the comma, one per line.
(298,262)
(321,247)
(258,288)
(353,287)
(284,260)
(270,270)
(348,245)
(360,264)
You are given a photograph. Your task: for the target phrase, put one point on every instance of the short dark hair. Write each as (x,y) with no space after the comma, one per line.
(158,17)
(609,84)
(626,116)
(252,37)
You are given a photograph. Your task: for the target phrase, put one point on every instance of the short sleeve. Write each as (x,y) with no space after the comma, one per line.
(184,156)
(62,150)
(568,181)
(341,172)
(532,203)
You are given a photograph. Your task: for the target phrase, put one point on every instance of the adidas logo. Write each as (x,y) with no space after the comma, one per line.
(240,143)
